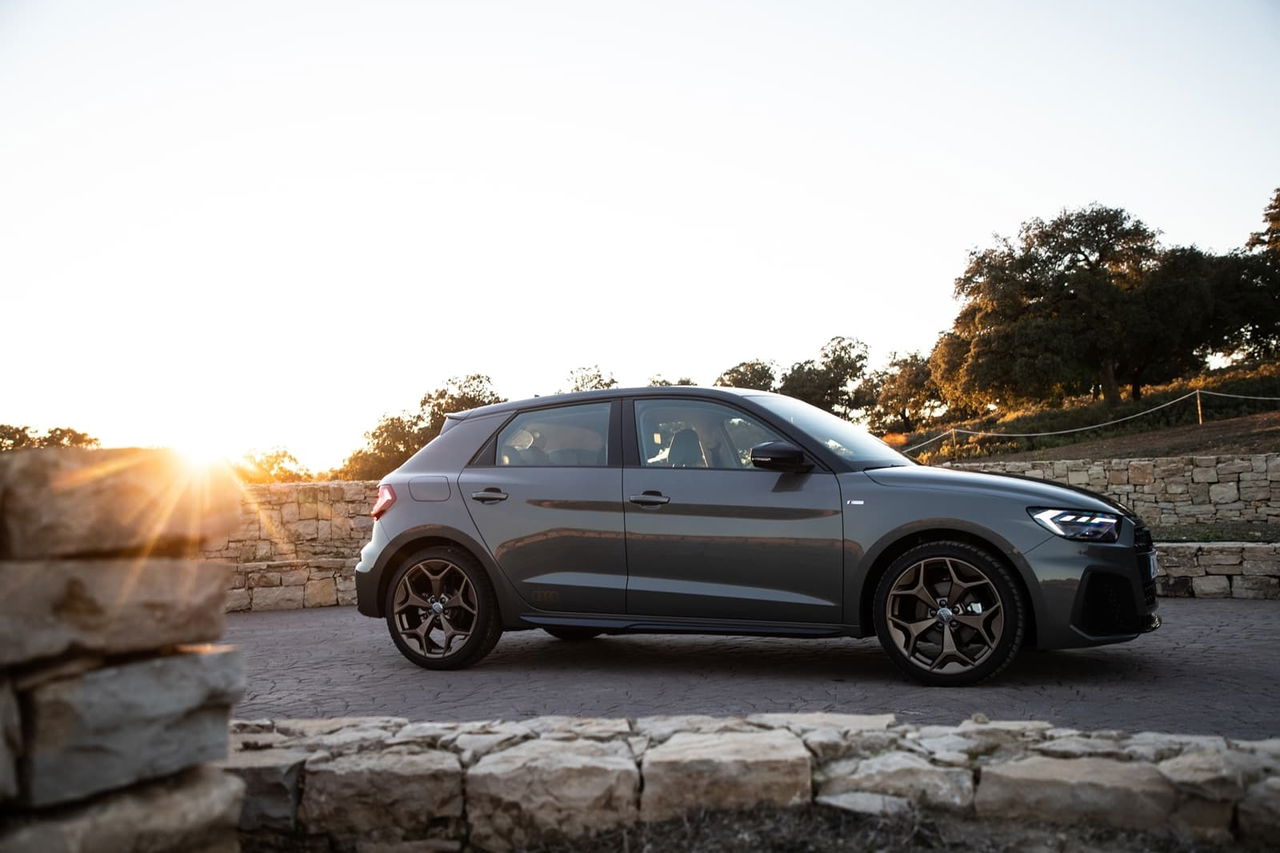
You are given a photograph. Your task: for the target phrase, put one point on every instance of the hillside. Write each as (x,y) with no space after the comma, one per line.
(1250,434)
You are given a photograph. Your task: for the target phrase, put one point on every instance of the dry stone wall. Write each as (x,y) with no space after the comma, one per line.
(295,544)
(357,783)
(112,701)
(1169,490)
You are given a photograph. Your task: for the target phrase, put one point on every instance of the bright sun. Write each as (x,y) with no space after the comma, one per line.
(203,451)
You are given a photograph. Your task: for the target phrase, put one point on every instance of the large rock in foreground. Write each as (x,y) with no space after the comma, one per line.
(110,727)
(195,811)
(566,787)
(1114,793)
(382,793)
(74,502)
(107,607)
(691,772)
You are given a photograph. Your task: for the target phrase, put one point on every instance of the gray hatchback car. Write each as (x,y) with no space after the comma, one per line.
(728,511)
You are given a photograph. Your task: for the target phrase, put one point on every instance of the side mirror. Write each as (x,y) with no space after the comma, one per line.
(780,456)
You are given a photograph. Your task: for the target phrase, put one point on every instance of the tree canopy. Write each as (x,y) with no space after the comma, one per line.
(23,437)
(397,437)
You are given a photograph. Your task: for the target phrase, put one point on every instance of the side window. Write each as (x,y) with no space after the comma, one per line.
(696,434)
(568,436)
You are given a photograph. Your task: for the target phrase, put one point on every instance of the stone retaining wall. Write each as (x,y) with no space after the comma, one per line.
(1168,490)
(499,786)
(295,544)
(111,702)
(1219,570)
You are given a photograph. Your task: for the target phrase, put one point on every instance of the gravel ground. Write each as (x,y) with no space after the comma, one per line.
(826,830)
(1212,669)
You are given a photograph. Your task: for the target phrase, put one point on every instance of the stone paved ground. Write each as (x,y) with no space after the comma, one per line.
(1214,668)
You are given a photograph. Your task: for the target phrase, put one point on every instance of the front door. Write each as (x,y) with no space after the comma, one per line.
(548,505)
(710,536)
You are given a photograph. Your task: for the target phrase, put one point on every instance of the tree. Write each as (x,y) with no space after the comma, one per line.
(1268,239)
(902,395)
(590,379)
(1248,288)
(829,381)
(748,374)
(272,466)
(662,382)
(22,437)
(1052,312)
(397,437)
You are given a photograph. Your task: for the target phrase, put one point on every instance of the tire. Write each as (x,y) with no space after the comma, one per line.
(445,589)
(943,636)
(573,635)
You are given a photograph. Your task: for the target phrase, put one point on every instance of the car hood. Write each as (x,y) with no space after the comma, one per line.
(1035,492)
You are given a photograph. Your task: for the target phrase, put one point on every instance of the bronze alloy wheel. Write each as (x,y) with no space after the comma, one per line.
(435,607)
(441,609)
(949,614)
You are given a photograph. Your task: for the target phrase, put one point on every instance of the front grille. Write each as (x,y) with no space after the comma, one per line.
(1143,545)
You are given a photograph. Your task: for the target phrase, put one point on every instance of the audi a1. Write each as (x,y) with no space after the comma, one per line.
(687,510)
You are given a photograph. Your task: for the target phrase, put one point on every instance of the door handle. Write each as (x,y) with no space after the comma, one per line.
(489,495)
(650,498)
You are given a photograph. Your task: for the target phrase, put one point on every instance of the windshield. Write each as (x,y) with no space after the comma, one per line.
(852,444)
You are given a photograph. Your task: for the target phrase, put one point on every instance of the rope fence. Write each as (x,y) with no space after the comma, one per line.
(954,431)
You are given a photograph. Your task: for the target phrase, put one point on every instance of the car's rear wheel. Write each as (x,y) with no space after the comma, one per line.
(949,614)
(571,634)
(441,609)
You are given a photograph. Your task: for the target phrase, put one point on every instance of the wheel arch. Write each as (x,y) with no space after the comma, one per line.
(415,539)
(879,560)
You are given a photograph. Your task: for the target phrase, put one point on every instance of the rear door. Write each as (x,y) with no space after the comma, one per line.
(711,537)
(546,496)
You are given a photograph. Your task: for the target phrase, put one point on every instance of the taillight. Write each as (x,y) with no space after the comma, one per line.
(386,497)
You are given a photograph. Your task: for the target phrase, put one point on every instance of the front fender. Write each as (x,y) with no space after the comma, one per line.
(870,563)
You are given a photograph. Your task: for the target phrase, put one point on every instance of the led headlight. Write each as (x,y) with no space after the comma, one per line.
(1073,524)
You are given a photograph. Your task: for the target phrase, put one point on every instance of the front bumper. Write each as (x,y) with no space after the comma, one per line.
(1095,593)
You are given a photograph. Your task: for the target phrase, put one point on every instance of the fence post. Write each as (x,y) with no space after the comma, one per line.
(1199,409)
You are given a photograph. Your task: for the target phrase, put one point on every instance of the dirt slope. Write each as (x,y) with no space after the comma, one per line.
(1251,434)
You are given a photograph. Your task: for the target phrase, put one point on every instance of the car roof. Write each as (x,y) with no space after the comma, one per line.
(611,394)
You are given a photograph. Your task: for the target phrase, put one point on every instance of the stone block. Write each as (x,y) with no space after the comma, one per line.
(1224,493)
(1174,587)
(1213,586)
(1255,587)
(110,727)
(1265,566)
(294,577)
(724,771)
(661,727)
(71,502)
(859,802)
(320,593)
(1259,812)
(906,775)
(1204,475)
(278,598)
(1118,477)
(1213,774)
(1141,473)
(196,810)
(568,788)
(10,742)
(369,792)
(238,600)
(1127,795)
(271,789)
(564,728)
(48,607)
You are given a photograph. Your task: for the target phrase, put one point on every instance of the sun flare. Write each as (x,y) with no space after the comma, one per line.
(204,453)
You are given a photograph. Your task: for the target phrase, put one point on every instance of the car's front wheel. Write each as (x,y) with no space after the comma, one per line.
(949,614)
(441,609)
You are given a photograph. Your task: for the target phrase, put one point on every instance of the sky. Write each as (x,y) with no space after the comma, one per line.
(228,226)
